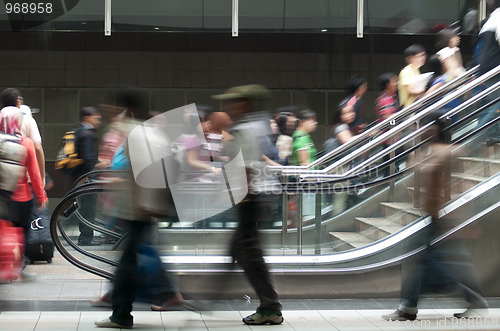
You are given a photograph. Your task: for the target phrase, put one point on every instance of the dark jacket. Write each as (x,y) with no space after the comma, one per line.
(489,56)
(86,145)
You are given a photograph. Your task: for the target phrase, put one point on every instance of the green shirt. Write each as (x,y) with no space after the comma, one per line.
(302,140)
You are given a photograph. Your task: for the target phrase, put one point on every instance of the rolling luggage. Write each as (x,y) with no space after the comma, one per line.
(39,245)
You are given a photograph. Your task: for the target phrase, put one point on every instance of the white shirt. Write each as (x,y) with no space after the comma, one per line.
(29,128)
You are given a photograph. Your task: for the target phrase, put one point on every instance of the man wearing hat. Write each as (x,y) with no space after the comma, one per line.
(251,132)
(86,146)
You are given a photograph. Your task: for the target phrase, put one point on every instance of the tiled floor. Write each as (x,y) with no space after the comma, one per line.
(58,299)
(307,320)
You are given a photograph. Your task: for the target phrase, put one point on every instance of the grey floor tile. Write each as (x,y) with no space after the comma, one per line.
(88,318)
(19,321)
(183,320)
(53,320)
(307,320)
(224,320)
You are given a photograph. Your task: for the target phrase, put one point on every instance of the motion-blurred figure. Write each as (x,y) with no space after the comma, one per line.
(250,129)
(357,87)
(436,269)
(489,58)
(140,270)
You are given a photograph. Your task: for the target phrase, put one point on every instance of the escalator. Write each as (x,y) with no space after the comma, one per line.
(345,251)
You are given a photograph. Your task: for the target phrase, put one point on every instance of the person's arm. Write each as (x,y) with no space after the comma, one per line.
(40,158)
(269,161)
(85,150)
(458,56)
(34,173)
(344,136)
(193,161)
(434,87)
(303,156)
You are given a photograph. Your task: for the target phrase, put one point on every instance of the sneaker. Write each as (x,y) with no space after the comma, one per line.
(263,316)
(108,323)
(104,301)
(398,315)
(26,277)
(491,142)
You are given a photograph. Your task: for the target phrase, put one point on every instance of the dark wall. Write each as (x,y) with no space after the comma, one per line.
(60,72)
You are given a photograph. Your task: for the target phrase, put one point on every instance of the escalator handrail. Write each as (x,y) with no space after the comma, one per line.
(395,117)
(94,173)
(303,259)
(55,225)
(289,171)
(354,254)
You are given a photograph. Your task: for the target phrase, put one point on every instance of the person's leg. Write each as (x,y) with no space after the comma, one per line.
(87,206)
(126,280)
(246,250)
(20,215)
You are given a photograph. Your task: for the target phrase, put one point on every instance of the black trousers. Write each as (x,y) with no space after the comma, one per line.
(20,215)
(246,250)
(130,280)
(87,206)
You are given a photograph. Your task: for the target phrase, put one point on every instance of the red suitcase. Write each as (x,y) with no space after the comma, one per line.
(11,251)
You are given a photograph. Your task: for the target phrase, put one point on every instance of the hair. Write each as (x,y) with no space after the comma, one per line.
(444,36)
(385,79)
(306,114)
(337,119)
(88,111)
(354,83)
(414,50)
(135,102)
(219,121)
(9,96)
(282,120)
(436,67)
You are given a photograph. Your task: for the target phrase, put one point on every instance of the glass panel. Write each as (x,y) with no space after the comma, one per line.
(315,16)
(332,221)
(412,17)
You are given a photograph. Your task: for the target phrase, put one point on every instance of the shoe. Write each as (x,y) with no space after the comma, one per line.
(471,313)
(174,301)
(108,323)
(104,301)
(477,310)
(398,315)
(491,141)
(89,243)
(263,316)
(26,277)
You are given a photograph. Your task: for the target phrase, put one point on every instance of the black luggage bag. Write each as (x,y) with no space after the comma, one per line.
(39,245)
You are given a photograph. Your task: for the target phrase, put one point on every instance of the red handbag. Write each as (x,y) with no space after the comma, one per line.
(11,251)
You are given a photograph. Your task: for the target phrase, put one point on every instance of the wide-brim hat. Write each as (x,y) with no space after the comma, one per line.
(253,92)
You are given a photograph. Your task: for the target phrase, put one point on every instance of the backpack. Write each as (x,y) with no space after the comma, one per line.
(12,153)
(67,158)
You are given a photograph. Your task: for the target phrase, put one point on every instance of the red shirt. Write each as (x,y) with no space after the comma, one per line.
(386,104)
(22,192)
